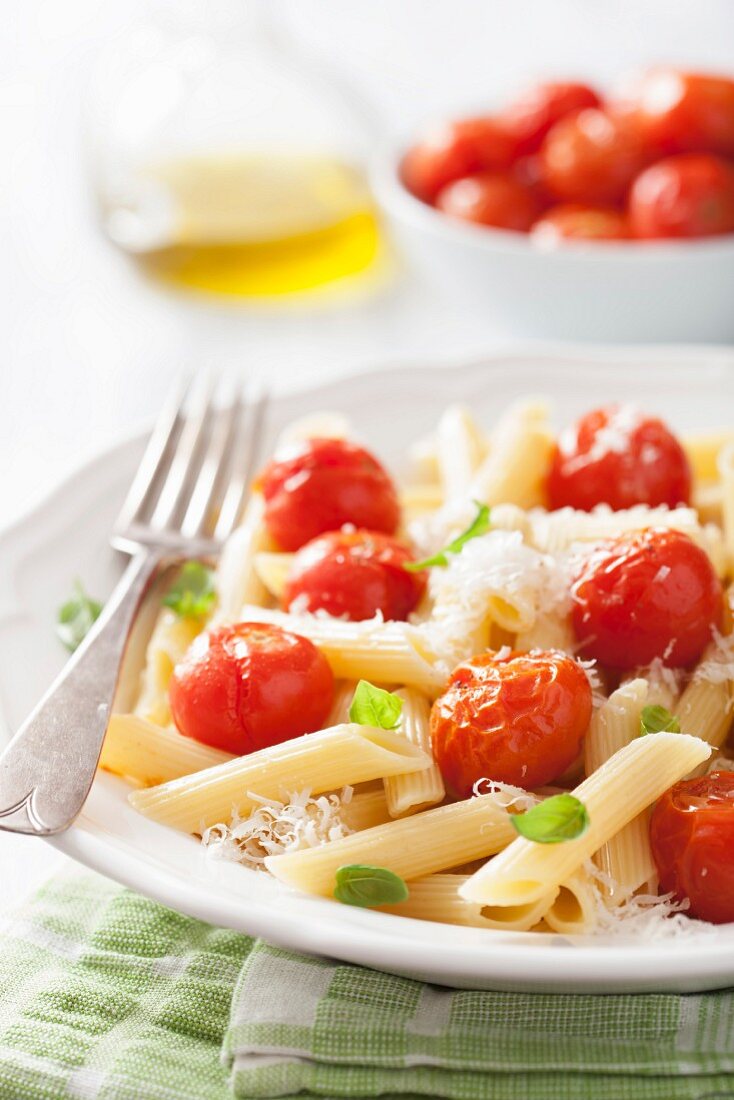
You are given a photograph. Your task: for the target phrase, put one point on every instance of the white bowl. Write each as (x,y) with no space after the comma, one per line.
(678,291)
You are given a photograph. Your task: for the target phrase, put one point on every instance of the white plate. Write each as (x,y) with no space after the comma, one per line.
(66,537)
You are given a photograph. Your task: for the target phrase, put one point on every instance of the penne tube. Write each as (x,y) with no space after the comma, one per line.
(705,706)
(437,898)
(366,809)
(514,471)
(343,695)
(324,761)
(707,500)
(381,652)
(272,568)
(415,791)
(171,637)
(153,754)
(417,500)
(573,912)
(547,632)
(625,785)
(237,581)
(553,532)
(703,453)
(458,450)
(411,847)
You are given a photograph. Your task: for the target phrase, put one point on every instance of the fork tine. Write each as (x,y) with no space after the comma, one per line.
(207,489)
(242,468)
(163,433)
(184,462)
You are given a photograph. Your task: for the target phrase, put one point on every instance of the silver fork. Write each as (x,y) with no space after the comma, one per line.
(186,497)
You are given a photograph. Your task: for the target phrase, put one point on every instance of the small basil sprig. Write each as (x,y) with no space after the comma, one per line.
(368,887)
(373,706)
(657,719)
(192,595)
(558,818)
(478,526)
(77,617)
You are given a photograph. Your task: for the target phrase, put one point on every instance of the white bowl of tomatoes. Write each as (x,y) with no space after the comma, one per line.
(570,215)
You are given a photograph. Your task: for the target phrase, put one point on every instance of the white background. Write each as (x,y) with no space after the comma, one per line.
(87,349)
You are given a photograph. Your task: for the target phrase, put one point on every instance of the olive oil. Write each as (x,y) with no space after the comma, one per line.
(254,226)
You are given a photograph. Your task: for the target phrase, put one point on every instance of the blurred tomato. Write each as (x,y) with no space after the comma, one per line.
(571,221)
(492,198)
(691,195)
(454,150)
(530,116)
(591,157)
(679,112)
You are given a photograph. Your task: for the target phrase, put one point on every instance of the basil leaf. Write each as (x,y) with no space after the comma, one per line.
(478,526)
(193,593)
(372,706)
(77,617)
(360,884)
(561,817)
(657,719)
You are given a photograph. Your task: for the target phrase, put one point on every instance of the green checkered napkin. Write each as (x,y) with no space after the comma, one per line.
(105,995)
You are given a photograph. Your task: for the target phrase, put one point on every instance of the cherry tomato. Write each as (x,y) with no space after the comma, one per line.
(680,112)
(491,198)
(319,485)
(529,117)
(241,688)
(571,221)
(692,840)
(453,150)
(354,574)
(686,196)
(646,595)
(617,456)
(591,157)
(516,719)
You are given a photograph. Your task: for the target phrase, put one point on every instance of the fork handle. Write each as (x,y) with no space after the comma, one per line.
(47,769)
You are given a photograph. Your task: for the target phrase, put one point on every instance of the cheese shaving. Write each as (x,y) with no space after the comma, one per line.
(717,666)
(505,795)
(652,916)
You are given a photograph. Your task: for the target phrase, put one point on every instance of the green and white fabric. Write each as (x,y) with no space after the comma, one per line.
(105,995)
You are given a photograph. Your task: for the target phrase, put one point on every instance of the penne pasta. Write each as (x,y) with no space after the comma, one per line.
(407,794)
(459,452)
(153,754)
(437,898)
(705,706)
(272,568)
(617,792)
(553,532)
(574,910)
(514,471)
(237,581)
(726,474)
(547,632)
(366,810)
(703,453)
(324,761)
(171,637)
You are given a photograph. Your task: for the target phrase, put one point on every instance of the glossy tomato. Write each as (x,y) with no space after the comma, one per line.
(617,456)
(574,222)
(454,150)
(354,574)
(530,116)
(490,198)
(591,157)
(516,719)
(685,196)
(646,595)
(678,112)
(243,687)
(692,840)
(319,485)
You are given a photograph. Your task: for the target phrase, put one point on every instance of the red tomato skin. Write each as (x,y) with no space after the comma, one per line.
(491,198)
(244,687)
(514,719)
(652,594)
(684,196)
(692,841)
(454,150)
(321,484)
(679,112)
(591,157)
(356,574)
(574,222)
(645,463)
(530,116)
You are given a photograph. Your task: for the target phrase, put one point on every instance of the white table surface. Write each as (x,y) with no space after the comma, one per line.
(88,348)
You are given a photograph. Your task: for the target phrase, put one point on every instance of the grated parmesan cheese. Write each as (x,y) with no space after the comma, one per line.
(652,916)
(717,666)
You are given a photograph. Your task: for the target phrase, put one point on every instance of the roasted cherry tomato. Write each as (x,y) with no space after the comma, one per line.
(241,688)
(681,112)
(646,595)
(490,198)
(686,196)
(354,574)
(617,456)
(529,117)
(591,157)
(516,719)
(692,840)
(319,485)
(571,221)
(453,150)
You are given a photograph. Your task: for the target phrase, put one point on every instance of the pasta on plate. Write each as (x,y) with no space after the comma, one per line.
(489,698)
